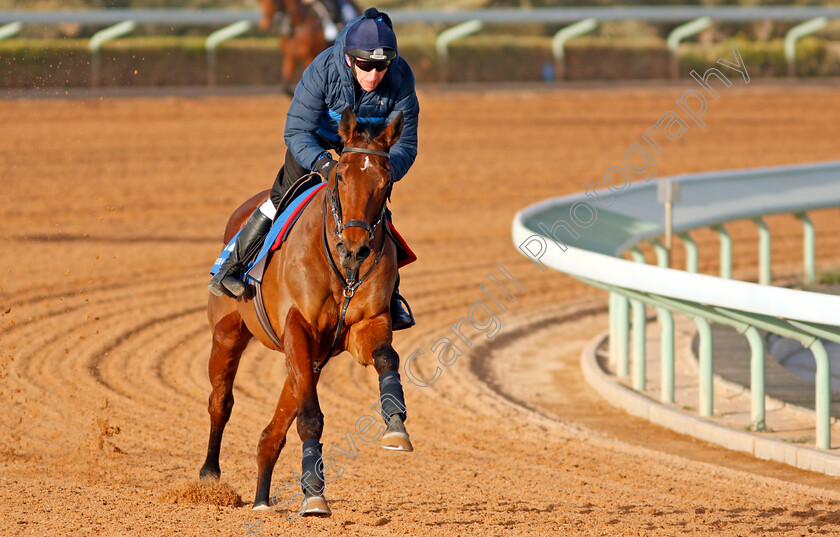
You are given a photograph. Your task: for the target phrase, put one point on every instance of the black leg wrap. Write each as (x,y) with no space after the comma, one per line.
(312,469)
(391,397)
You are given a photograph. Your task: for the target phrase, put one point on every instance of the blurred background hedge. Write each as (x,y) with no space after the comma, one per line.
(57,55)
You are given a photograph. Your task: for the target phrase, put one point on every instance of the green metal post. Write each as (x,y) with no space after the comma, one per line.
(795,34)
(666,324)
(662,258)
(756,377)
(558,43)
(809,250)
(622,338)
(96,42)
(725,252)
(764,277)
(823,394)
(613,341)
(8,30)
(692,263)
(680,33)
(706,359)
(215,39)
(448,36)
(639,333)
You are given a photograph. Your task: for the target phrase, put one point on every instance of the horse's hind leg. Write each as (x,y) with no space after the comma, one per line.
(230,337)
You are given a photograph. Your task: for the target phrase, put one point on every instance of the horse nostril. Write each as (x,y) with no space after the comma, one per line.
(362,253)
(341,248)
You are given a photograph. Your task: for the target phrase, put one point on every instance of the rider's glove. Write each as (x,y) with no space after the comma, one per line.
(325,166)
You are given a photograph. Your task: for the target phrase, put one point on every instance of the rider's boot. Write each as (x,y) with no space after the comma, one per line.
(401,318)
(228,281)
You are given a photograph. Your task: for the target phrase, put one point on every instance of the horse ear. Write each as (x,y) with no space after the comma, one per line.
(348,124)
(392,132)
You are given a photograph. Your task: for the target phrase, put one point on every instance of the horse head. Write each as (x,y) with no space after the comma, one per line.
(360,186)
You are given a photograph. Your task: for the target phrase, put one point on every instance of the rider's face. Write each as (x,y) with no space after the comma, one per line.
(368,80)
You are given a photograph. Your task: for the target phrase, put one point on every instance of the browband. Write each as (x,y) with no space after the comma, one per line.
(369,151)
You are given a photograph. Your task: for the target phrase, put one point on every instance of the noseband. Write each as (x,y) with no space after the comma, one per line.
(335,200)
(352,282)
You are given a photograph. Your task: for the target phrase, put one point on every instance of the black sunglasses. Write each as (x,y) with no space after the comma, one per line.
(367,66)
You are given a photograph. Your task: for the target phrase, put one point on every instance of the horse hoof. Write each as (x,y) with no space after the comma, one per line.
(316,506)
(397,441)
(261,507)
(210,474)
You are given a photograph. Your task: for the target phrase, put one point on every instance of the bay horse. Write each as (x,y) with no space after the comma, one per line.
(309,307)
(306,29)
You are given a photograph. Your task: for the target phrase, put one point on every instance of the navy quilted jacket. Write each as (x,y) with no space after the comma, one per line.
(328,87)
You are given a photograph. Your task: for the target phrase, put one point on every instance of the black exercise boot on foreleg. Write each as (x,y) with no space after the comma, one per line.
(228,281)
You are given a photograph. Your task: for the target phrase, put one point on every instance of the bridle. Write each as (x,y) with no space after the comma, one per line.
(352,281)
(335,200)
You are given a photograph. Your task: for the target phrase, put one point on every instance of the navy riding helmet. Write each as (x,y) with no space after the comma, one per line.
(372,38)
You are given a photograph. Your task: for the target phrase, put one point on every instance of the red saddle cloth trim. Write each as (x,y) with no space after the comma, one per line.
(411,257)
(281,237)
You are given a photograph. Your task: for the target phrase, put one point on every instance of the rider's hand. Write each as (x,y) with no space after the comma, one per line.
(325,167)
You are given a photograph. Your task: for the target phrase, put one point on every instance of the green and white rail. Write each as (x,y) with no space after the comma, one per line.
(585,236)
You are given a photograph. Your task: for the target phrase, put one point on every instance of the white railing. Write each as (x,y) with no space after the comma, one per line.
(555,233)
(559,15)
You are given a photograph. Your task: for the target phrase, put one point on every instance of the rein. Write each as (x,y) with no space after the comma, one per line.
(352,281)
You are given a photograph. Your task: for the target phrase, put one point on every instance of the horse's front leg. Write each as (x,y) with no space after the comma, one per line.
(301,353)
(370,342)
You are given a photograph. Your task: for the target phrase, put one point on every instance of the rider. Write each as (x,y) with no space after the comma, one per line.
(362,70)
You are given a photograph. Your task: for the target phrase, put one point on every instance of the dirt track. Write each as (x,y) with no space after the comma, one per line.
(112,213)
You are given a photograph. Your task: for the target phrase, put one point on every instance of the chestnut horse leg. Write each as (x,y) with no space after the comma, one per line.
(371,340)
(271,443)
(288,69)
(299,399)
(230,337)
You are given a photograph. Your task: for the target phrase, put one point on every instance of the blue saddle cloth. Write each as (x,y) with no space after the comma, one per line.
(277,235)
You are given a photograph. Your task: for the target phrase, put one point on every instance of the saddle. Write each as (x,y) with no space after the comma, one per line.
(291,207)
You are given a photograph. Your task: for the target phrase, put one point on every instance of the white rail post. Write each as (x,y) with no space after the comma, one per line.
(215,39)
(448,36)
(558,43)
(795,34)
(8,30)
(680,33)
(103,36)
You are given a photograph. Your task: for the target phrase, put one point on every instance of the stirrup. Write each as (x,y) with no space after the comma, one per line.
(398,314)
(233,285)
(225,284)
(217,285)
